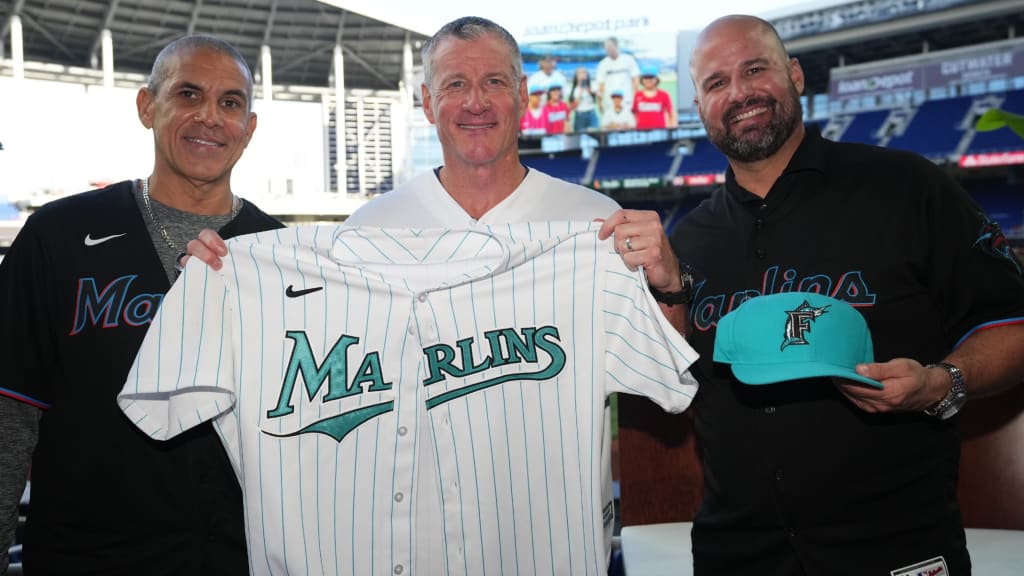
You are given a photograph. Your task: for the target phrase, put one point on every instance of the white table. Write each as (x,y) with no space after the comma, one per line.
(664,550)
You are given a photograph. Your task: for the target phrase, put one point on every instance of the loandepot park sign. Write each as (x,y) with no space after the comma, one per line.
(588,28)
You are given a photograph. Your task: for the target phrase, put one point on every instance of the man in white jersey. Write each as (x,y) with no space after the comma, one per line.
(409,399)
(616,72)
(474,92)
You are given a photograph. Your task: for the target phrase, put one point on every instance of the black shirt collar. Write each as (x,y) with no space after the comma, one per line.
(809,156)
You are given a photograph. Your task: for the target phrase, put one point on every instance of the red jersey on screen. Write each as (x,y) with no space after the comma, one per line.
(651,111)
(557,113)
(534,123)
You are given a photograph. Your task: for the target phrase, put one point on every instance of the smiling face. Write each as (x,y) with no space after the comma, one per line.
(475,98)
(200,117)
(748,89)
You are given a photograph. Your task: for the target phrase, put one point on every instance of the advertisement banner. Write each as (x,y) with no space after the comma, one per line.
(1001,60)
(995,65)
(875,83)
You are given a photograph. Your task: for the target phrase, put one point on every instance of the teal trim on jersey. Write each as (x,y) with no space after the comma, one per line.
(792,336)
(243,363)
(298,452)
(317,473)
(328,299)
(472,446)
(526,418)
(461,492)
(441,495)
(496,511)
(394,457)
(543,425)
(508,436)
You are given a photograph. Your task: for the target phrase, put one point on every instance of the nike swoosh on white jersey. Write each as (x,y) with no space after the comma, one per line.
(90,241)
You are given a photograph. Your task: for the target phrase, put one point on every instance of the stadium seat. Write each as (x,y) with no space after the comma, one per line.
(935,131)
(703,159)
(644,161)
(570,167)
(863,129)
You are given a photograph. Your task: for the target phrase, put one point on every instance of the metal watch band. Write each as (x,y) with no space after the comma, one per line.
(956,396)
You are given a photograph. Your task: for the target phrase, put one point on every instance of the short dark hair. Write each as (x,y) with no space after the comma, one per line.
(196,42)
(470,28)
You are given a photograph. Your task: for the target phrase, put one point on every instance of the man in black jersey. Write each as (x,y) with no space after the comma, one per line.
(78,290)
(822,477)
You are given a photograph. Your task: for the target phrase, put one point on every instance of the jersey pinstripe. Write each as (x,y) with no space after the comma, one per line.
(429,401)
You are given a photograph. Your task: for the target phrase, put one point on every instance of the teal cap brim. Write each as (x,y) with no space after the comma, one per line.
(773,373)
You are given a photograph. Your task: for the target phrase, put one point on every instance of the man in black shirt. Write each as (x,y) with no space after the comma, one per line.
(78,289)
(835,477)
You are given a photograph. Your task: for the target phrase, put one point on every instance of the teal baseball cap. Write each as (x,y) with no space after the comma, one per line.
(794,335)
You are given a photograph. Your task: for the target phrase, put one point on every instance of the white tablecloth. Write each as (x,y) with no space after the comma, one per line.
(664,550)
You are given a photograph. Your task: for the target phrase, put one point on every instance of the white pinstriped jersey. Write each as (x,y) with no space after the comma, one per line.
(402,401)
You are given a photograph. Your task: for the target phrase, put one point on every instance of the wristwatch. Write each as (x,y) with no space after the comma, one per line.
(956,397)
(683,296)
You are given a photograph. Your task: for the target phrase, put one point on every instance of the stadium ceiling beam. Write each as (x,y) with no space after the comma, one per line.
(107,19)
(302,59)
(15,11)
(269,28)
(145,48)
(341,28)
(194,18)
(367,66)
(339,36)
(858,34)
(46,34)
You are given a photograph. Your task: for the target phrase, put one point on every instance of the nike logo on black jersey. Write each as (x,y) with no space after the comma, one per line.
(90,241)
(291,292)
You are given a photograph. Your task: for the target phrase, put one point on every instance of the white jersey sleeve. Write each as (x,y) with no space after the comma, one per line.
(187,349)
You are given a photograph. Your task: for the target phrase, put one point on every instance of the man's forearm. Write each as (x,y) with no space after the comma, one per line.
(19,430)
(992,360)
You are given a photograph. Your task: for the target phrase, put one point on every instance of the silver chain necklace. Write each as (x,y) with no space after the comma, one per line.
(235,207)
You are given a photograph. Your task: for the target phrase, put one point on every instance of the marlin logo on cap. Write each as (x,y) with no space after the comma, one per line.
(748,339)
(799,323)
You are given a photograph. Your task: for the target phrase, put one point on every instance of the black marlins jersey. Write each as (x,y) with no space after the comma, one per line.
(78,289)
(794,472)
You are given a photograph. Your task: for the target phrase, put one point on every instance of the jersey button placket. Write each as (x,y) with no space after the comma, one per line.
(759,252)
(404,493)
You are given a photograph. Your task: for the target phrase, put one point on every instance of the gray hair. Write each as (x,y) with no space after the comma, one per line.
(185,44)
(471,28)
